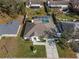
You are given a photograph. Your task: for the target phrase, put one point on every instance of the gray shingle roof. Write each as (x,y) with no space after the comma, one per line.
(70,27)
(34,2)
(28,27)
(58,3)
(36,30)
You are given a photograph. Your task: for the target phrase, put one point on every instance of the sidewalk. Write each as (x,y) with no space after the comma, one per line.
(77,55)
(51,51)
(39,43)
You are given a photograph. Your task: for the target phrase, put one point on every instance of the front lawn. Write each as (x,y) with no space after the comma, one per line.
(65,53)
(17,47)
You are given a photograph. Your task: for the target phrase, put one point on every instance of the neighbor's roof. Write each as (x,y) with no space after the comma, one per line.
(70,27)
(10,27)
(75,1)
(58,2)
(34,2)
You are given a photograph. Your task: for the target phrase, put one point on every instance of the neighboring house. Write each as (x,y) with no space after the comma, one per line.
(52,3)
(34,3)
(72,27)
(75,3)
(40,25)
(10,29)
(58,3)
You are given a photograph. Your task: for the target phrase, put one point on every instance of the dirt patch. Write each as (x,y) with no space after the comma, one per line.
(8,46)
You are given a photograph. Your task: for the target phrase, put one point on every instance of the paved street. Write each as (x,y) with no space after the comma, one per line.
(77,55)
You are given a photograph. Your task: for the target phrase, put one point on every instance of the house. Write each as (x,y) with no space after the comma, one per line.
(10,29)
(58,3)
(75,3)
(39,27)
(71,27)
(34,3)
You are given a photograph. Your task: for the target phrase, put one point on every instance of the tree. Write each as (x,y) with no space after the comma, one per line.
(31,48)
(70,7)
(12,7)
(65,37)
(62,41)
(74,46)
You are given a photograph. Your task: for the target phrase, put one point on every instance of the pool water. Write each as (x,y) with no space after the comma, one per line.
(45,20)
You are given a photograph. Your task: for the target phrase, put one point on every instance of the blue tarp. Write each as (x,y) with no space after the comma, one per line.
(10,27)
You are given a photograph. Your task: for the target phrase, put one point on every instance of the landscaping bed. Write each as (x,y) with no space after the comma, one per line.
(65,53)
(17,47)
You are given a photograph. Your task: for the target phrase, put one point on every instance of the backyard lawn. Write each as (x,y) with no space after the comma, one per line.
(65,53)
(63,16)
(17,47)
(35,12)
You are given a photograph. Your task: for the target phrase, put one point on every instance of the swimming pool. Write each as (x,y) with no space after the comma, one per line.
(43,19)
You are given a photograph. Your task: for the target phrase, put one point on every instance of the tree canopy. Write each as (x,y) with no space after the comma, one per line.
(12,7)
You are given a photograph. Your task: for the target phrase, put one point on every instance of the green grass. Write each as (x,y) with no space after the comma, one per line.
(21,49)
(35,12)
(67,16)
(61,16)
(65,53)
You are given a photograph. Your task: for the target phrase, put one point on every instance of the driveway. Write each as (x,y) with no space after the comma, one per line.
(51,51)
